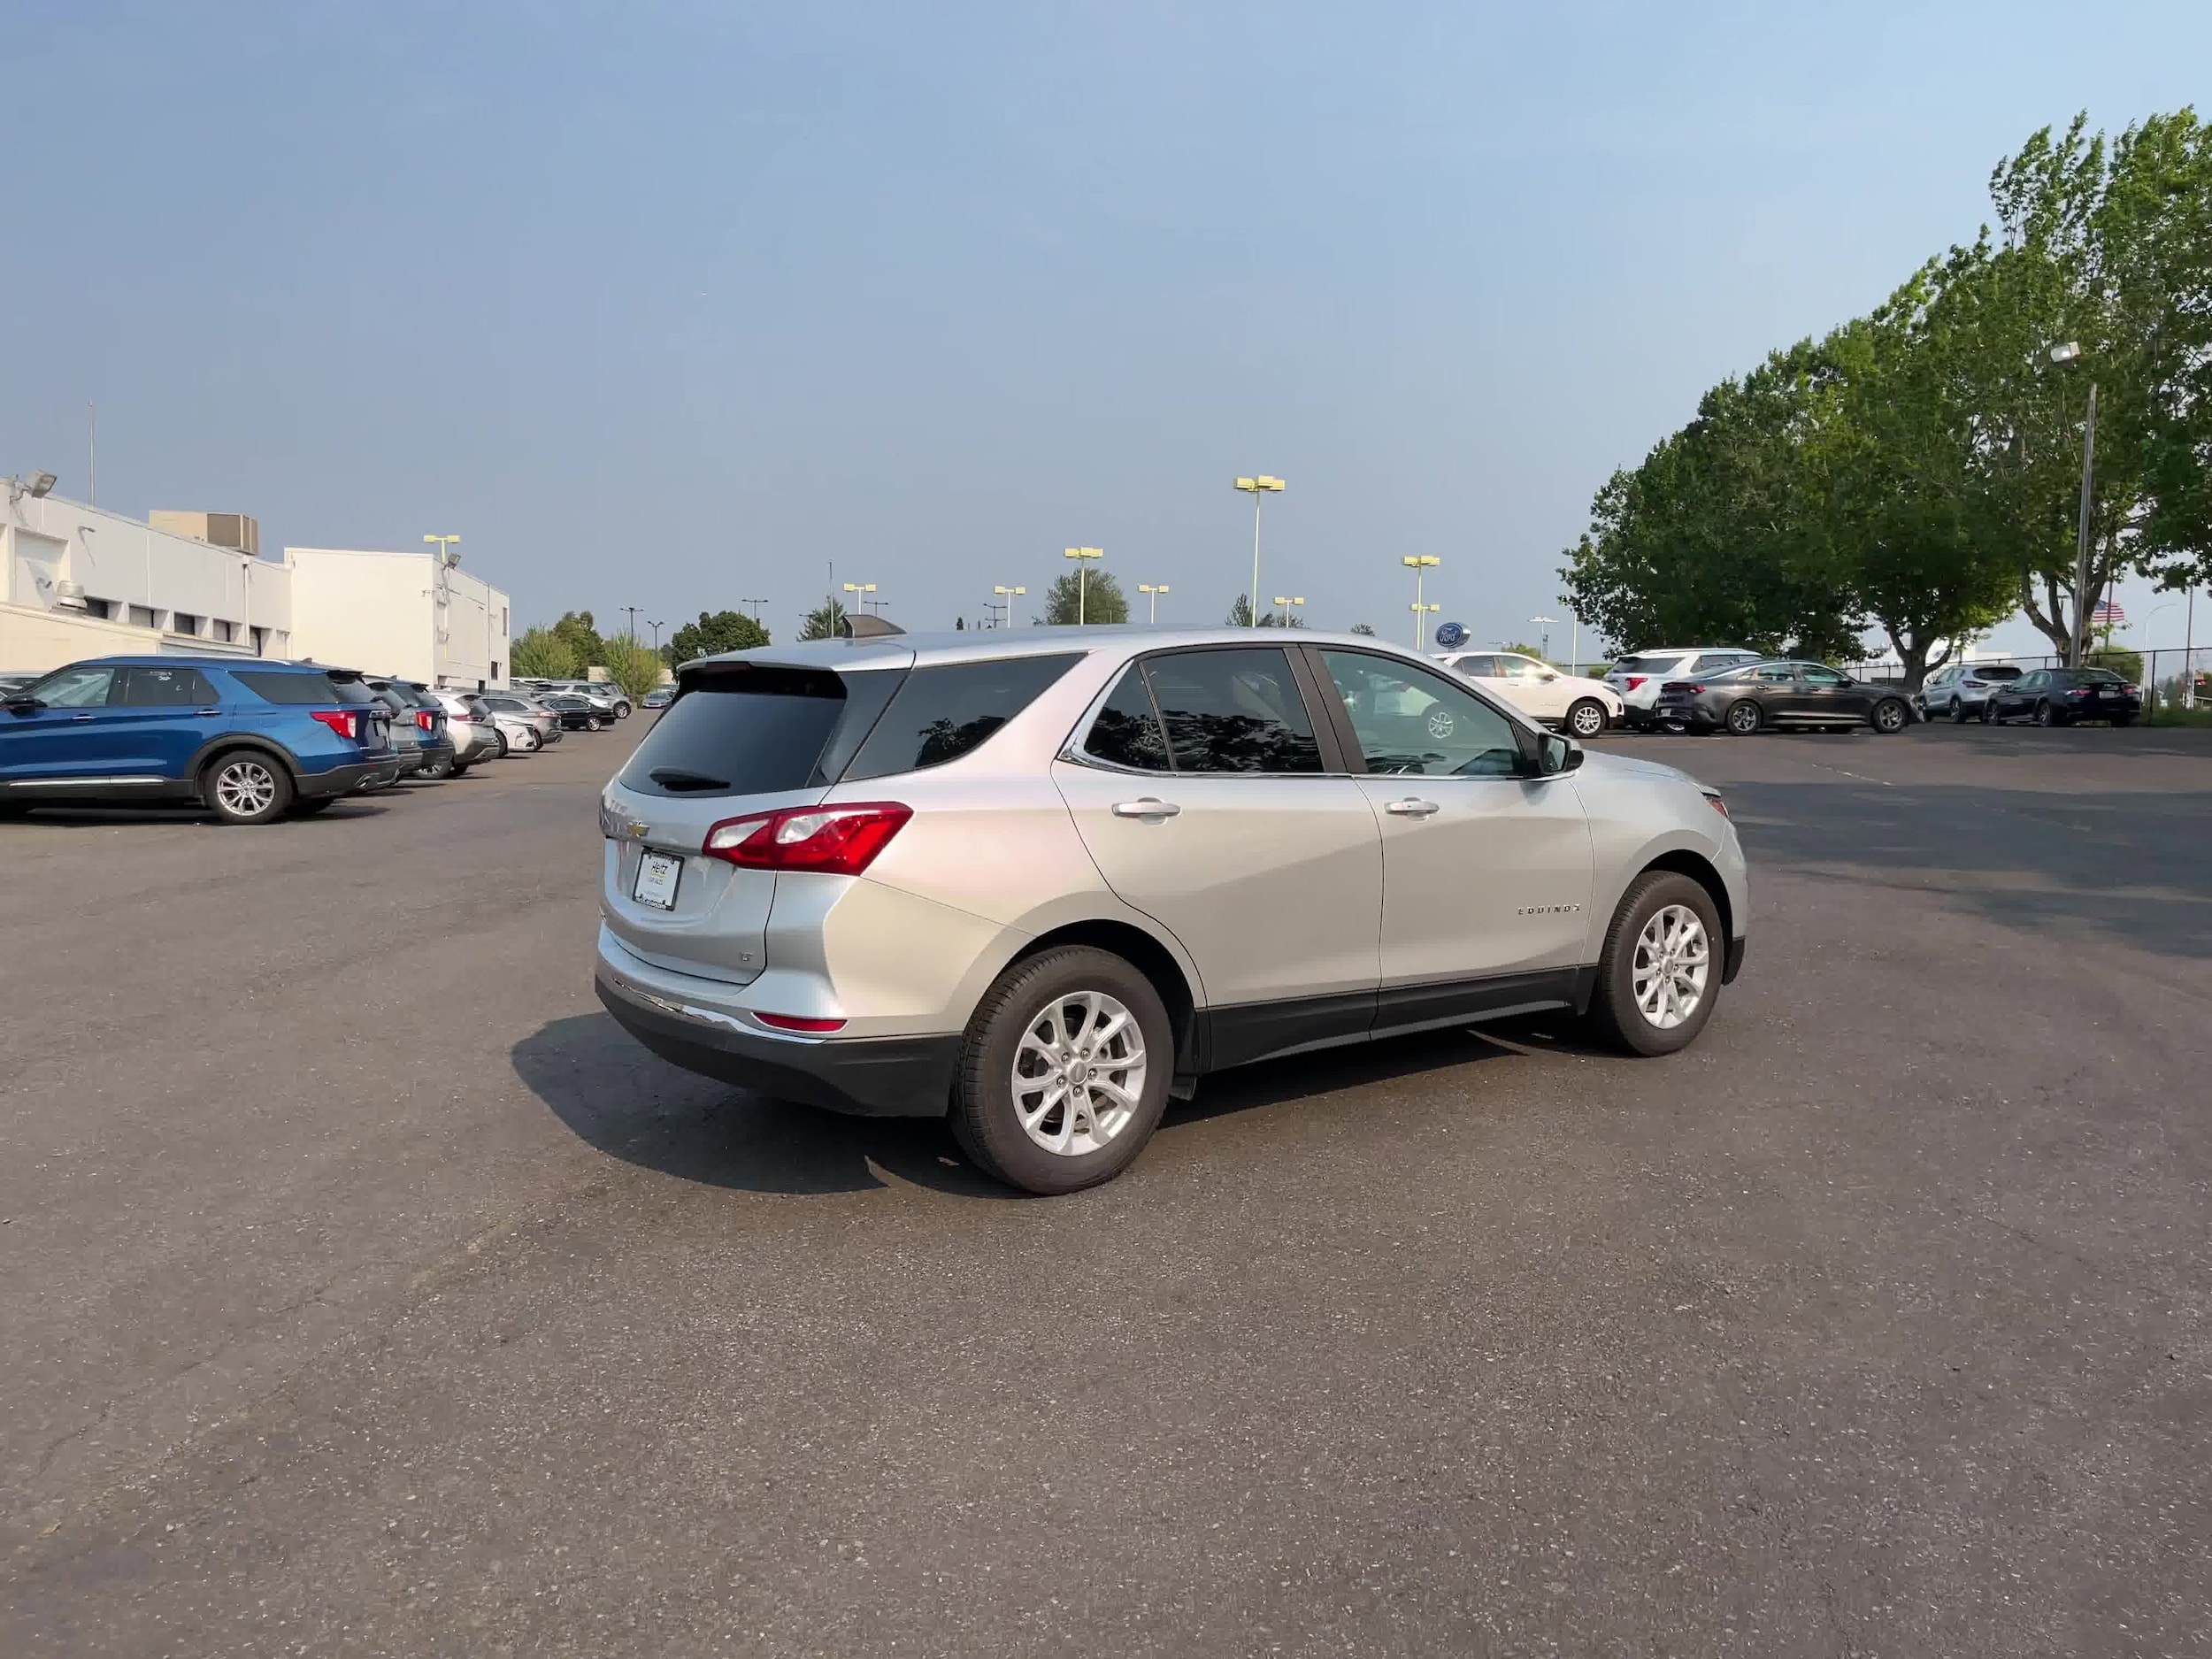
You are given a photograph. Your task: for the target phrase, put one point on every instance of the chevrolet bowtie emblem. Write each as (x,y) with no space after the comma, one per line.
(635,829)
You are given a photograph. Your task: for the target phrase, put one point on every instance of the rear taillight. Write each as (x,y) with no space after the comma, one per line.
(461,717)
(1635,680)
(798,1022)
(2133,691)
(838,841)
(425,719)
(345,722)
(1691,686)
(2078,691)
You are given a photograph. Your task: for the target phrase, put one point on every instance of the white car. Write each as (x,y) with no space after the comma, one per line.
(1584,707)
(1636,679)
(475,737)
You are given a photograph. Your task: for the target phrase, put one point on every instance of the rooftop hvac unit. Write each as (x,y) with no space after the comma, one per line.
(69,596)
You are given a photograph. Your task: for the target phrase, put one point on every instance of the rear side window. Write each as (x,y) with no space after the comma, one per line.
(274,687)
(162,689)
(754,729)
(1233,710)
(941,713)
(1713,660)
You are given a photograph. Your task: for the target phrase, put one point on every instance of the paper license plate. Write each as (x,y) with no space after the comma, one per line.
(658,874)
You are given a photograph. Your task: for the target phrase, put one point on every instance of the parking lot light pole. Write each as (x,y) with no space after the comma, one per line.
(860,592)
(1259,489)
(1005,604)
(1548,624)
(657,627)
(1420,565)
(1083,556)
(1147,587)
(1286,603)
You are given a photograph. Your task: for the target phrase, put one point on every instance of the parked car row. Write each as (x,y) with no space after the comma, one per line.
(250,740)
(586,698)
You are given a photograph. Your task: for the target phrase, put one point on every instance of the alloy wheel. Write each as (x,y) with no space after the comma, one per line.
(1079,1073)
(1743,719)
(1889,716)
(245,787)
(1674,958)
(1587,720)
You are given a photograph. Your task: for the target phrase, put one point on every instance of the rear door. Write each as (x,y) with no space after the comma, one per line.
(159,716)
(1486,871)
(1209,805)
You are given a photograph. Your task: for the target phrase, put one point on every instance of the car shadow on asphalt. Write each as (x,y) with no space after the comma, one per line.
(629,1104)
(129,817)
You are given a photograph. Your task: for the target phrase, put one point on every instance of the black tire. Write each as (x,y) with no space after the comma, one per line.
(1989,712)
(1745,718)
(595,724)
(2047,716)
(1586,718)
(983,1114)
(246,785)
(308,809)
(1890,717)
(1958,712)
(1613,1009)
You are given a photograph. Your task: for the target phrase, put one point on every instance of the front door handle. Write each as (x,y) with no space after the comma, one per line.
(75,718)
(1146,808)
(1412,806)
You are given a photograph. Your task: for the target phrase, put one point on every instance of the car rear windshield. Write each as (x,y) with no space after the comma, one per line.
(1995,673)
(292,686)
(755,728)
(1644,665)
(2097,677)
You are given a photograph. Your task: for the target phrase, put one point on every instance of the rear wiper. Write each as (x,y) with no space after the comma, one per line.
(677,778)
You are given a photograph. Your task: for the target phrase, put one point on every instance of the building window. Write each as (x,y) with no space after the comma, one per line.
(260,639)
(103,608)
(494,671)
(226,632)
(184,622)
(141,616)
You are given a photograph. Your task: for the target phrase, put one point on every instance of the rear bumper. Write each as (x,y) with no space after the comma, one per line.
(872,1076)
(367,774)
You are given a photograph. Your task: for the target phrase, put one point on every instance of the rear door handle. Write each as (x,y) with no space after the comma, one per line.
(1412,807)
(74,718)
(1146,808)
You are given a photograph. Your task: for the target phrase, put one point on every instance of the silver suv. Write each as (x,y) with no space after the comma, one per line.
(1037,882)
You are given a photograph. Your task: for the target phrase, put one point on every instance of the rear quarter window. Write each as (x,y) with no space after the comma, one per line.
(943,713)
(274,686)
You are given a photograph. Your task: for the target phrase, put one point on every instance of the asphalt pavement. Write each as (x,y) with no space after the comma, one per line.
(363,1290)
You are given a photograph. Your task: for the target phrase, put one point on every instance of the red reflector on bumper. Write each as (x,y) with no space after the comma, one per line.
(797,1022)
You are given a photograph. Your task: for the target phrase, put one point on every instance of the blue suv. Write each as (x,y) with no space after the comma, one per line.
(247,740)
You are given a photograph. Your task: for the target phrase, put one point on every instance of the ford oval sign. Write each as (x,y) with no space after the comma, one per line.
(1450,635)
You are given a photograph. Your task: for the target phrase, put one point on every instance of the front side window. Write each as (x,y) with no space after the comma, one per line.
(1408,720)
(1520,668)
(162,689)
(1127,731)
(1238,709)
(72,688)
(950,709)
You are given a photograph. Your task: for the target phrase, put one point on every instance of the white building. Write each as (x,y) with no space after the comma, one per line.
(76,581)
(417,615)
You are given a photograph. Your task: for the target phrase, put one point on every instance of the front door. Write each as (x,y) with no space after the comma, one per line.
(1535,688)
(1201,795)
(1486,870)
(1832,698)
(68,738)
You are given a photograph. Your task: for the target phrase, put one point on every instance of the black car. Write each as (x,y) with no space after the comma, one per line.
(578,714)
(2060,697)
(1760,695)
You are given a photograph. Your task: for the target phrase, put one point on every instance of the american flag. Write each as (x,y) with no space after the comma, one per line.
(2105,614)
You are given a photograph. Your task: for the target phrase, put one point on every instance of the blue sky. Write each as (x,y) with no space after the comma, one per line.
(672,305)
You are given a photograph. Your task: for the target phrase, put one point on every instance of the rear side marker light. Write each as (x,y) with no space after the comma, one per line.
(838,841)
(345,722)
(1718,804)
(799,1022)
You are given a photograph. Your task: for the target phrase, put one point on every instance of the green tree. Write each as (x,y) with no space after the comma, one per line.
(1100,596)
(581,634)
(1367,630)
(636,668)
(542,654)
(713,633)
(1241,616)
(825,621)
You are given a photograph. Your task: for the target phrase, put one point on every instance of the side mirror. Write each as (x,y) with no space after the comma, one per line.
(22,705)
(1560,754)
(1547,677)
